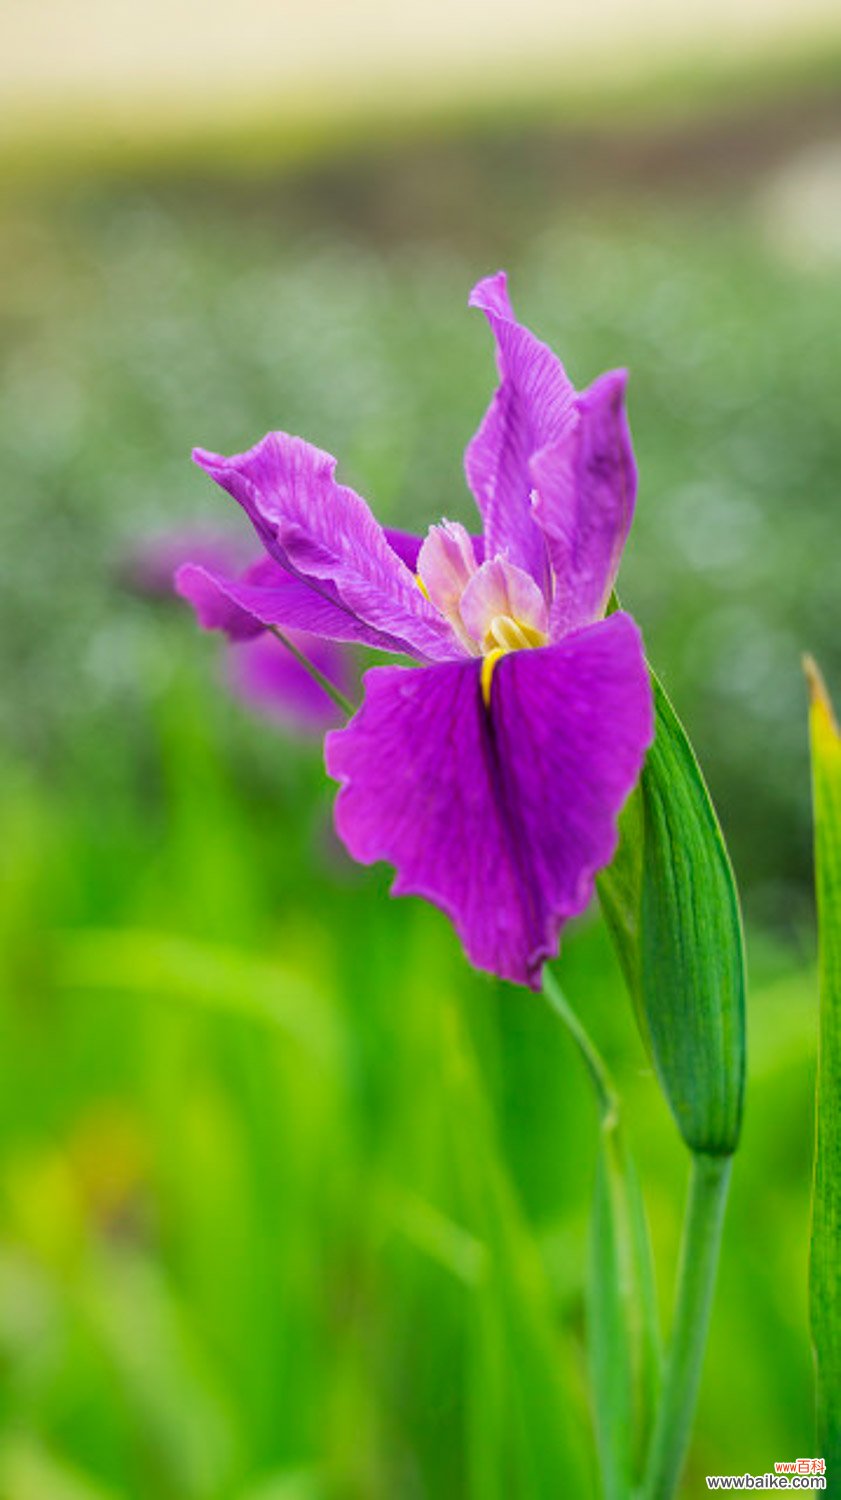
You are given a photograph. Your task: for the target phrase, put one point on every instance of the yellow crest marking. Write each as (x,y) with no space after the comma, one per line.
(488,664)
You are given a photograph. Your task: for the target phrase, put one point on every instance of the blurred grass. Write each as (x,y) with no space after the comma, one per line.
(293,1205)
(310,1244)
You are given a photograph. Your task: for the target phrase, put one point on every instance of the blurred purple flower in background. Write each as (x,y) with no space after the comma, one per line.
(493,777)
(149,563)
(260,669)
(266,675)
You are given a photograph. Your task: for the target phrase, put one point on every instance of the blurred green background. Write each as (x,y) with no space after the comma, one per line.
(293,1205)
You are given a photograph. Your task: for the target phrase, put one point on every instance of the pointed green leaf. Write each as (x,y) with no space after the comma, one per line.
(825,1278)
(622,1327)
(623,1334)
(671,905)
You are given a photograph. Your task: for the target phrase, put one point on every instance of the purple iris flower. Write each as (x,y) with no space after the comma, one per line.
(148,564)
(492,774)
(266,675)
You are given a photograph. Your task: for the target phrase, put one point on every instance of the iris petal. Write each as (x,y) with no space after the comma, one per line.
(503,815)
(585,488)
(325,535)
(268,595)
(533,406)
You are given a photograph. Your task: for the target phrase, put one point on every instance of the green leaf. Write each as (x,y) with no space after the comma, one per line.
(671,905)
(825,1277)
(623,1331)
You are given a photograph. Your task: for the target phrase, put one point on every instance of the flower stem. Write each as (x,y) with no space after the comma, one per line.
(708,1185)
(593,1060)
(329,687)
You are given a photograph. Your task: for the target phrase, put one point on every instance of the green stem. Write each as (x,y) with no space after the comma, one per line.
(330,688)
(708,1185)
(593,1060)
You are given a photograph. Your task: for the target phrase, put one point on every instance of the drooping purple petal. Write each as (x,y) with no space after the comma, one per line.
(325,535)
(533,406)
(585,488)
(267,676)
(267,595)
(502,817)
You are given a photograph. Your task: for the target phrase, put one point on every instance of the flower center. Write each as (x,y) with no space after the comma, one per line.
(507,633)
(493,608)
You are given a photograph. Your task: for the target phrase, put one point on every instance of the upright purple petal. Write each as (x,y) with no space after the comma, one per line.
(325,535)
(533,406)
(267,676)
(501,817)
(585,487)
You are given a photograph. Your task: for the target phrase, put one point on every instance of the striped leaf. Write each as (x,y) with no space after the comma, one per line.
(623,1332)
(671,905)
(825,1281)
